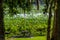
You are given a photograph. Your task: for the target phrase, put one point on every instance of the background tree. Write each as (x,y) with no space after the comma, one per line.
(37,2)
(2,35)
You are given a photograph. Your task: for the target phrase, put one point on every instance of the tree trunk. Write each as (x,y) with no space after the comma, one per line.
(49,23)
(2,36)
(37,2)
(56,31)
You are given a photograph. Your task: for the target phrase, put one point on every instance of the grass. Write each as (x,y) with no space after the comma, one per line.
(33,38)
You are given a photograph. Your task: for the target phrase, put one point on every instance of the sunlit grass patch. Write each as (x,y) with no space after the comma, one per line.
(32,38)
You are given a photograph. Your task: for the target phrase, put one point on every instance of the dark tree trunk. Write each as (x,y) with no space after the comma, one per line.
(49,23)
(2,37)
(49,20)
(56,31)
(37,2)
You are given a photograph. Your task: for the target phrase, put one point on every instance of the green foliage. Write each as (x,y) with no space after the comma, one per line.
(14,4)
(16,25)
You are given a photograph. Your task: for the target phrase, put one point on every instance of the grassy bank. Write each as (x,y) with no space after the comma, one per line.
(33,38)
